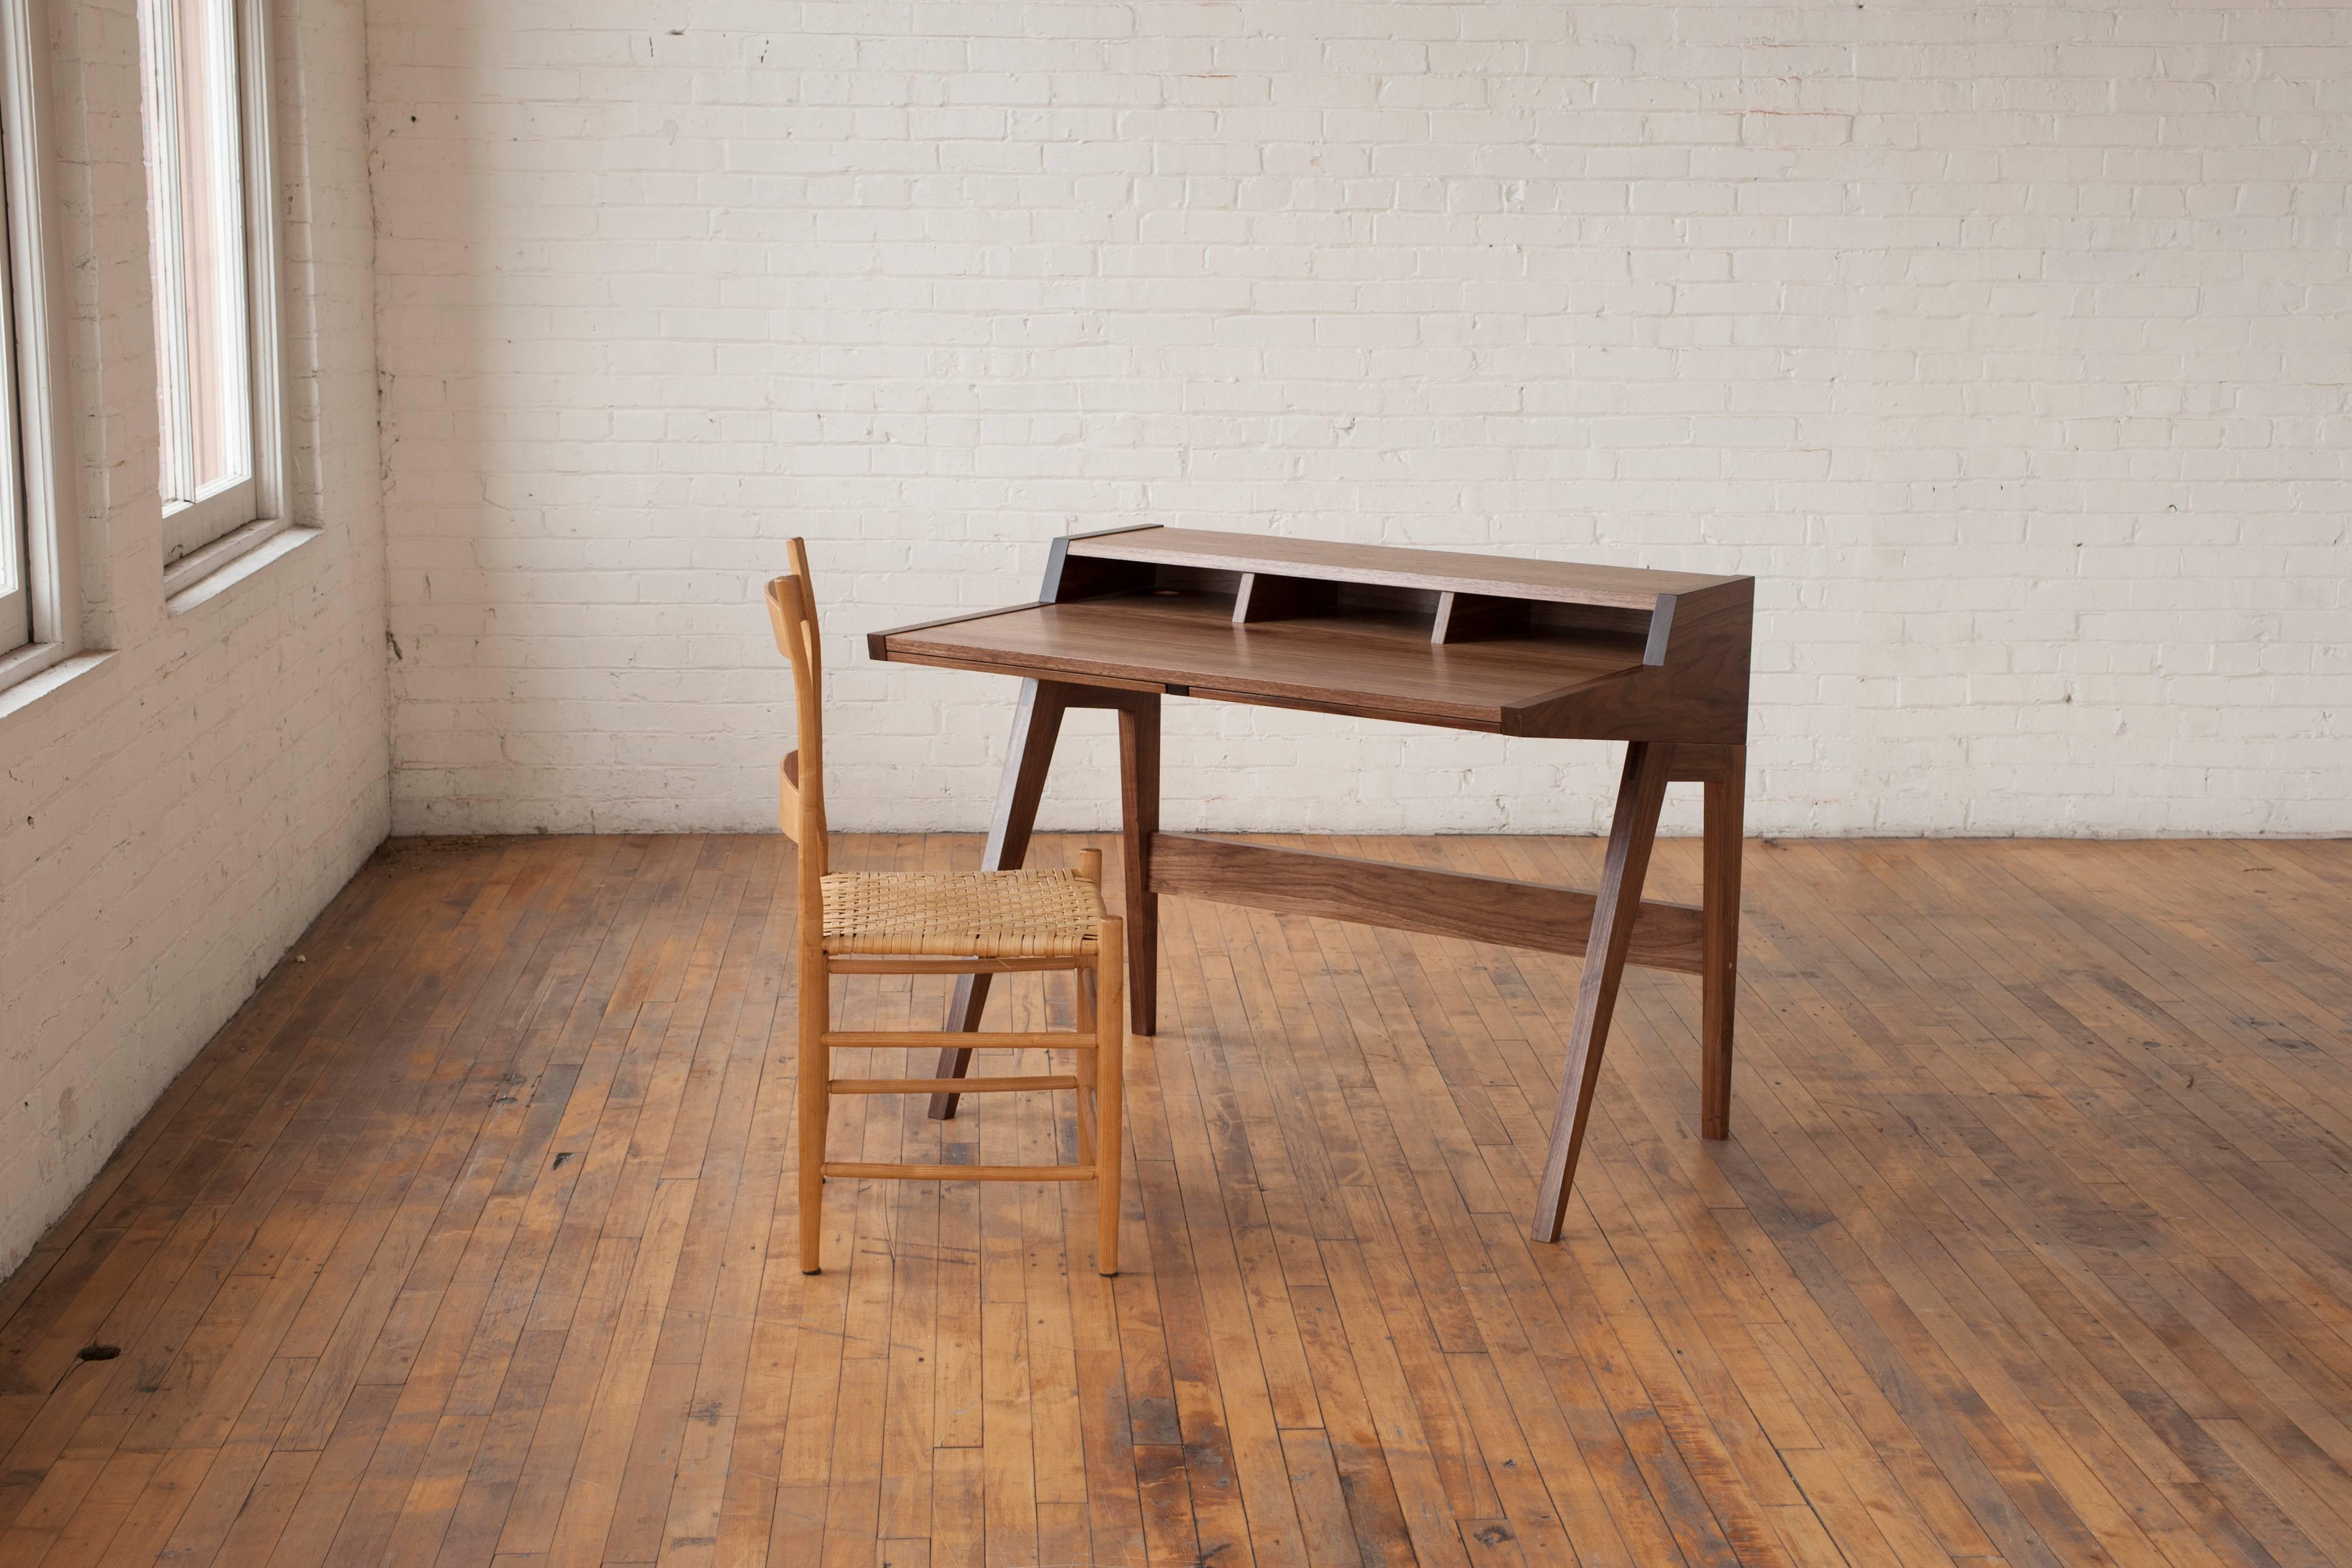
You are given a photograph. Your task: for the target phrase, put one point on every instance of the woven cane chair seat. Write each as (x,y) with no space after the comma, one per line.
(982,915)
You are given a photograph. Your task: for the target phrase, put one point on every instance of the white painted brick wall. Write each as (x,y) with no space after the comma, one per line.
(2007,345)
(170,821)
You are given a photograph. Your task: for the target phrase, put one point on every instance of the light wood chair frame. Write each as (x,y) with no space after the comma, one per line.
(1097,1041)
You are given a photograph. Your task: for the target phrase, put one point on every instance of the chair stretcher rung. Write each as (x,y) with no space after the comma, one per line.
(869,964)
(998,1039)
(961,1172)
(959,1085)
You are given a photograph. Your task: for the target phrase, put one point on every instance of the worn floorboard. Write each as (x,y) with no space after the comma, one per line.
(469,1240)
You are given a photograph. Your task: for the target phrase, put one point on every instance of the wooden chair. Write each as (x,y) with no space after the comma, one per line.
(920,923)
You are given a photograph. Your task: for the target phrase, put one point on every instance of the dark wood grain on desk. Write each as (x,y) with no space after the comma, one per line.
(1362,663)
(1536,649)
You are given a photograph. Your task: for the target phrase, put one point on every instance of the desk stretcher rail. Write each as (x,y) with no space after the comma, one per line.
(1416,898)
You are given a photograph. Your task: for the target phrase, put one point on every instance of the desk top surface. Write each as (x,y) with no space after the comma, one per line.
(1377,666)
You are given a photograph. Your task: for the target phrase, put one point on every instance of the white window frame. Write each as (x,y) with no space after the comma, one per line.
(32,364)
(236,518)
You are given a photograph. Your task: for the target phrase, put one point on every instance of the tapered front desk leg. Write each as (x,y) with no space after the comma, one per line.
(1036,726)
(1631,832)
(1727,798)
(1138,791)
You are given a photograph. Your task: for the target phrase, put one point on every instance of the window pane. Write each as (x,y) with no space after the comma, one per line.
(16,619)
(197,207)
(12,523)
(12,535)
(15,605)
(16,623)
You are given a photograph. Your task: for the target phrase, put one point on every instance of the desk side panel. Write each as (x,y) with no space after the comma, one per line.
(1698,695)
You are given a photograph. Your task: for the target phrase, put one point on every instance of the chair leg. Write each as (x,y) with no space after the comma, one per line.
(1082,1066)
(1110,1042)
(1082,1022)
(815,1101)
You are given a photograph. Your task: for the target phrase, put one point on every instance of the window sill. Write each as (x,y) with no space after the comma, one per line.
(218,568)
(231,547)
(29,675)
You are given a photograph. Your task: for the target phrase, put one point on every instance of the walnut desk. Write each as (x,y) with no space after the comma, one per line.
(1656,659)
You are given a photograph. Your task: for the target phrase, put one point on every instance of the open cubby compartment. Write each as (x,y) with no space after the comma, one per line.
(1473,617)
(1083,577)
(1256,598)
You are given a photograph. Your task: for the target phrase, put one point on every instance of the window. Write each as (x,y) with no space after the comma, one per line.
(211,238)
(41,603)
(16,592)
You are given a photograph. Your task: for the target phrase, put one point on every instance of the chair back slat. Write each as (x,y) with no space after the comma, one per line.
(792,612)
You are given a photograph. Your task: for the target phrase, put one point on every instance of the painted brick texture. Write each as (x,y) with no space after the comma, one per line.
(2005,344)
(171,819)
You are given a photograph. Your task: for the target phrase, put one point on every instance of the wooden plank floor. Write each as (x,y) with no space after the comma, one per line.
(465,1241)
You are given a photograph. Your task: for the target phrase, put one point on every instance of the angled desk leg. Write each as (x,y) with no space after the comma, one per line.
(1631,832)
(1138,793)
(1726,800)
(1036,726)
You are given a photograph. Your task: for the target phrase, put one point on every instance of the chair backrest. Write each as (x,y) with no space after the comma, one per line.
(791,608)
